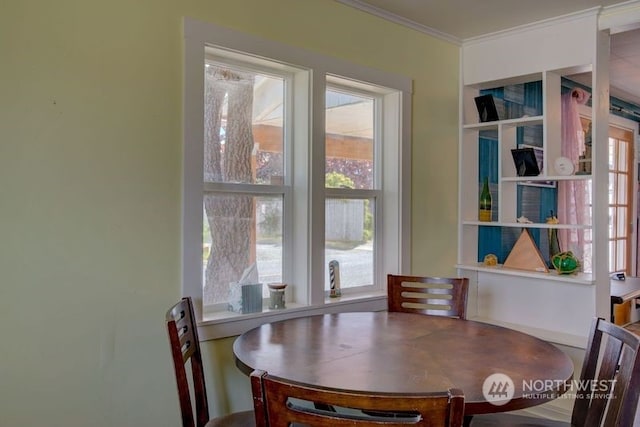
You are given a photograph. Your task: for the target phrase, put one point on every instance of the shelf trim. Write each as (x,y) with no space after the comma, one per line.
(543,178)
(520,121)
(580,278)
(528,225)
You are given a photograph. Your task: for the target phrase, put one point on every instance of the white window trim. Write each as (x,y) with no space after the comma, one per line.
(631,126)
(396,186)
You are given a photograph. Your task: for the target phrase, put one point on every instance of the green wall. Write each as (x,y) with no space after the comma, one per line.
(90,172)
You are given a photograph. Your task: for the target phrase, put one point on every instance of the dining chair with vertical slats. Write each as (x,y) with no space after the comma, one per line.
(440,296)
(185,347)
(279,403)
(612,366)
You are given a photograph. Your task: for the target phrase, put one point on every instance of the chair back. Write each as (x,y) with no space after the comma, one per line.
(278,403)
(185,347)
(441,296)
(612,367)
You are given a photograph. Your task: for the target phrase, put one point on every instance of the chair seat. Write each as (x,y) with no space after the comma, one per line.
(236,419)
(511,420)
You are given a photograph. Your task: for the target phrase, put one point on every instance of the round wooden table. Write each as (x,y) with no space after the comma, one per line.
(410,353)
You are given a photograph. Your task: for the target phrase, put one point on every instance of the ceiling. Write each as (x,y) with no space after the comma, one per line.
(459,20)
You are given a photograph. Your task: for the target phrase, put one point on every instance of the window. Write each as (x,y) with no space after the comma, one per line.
(291,160)
(620,197)
(621,231)
(352,188)
(244,176)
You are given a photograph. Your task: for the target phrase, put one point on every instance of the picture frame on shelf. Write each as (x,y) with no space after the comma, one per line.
(539,153)
(525,161)
(486,106)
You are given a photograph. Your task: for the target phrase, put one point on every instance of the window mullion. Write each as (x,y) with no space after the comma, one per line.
(316,261)
(243,188)
(349,193)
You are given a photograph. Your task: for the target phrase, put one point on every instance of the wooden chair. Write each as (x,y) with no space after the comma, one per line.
(441,296)
(279,403)
(612,356)
(185,347)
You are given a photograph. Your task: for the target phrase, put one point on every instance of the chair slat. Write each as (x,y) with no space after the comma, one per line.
(185,347)
(279,402)
(443,296)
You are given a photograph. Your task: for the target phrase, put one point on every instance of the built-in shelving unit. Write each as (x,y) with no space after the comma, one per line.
(524,72)
(541,131)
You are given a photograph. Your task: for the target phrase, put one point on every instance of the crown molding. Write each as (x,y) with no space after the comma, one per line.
(620,17)
(380,13)
(592,12)
(616,18)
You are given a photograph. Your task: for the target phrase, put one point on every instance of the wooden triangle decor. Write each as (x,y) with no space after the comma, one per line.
(525,255)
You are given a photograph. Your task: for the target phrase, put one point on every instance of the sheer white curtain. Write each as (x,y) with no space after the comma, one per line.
(572,195)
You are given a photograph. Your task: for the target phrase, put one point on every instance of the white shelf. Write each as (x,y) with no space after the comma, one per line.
(482,126)
(522,121)
(528,225)
(545,178)
(579,278)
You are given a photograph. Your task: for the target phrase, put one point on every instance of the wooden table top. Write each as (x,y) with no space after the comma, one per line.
(408,353)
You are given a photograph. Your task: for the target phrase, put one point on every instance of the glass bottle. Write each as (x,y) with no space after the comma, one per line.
(484,212)
(552,234)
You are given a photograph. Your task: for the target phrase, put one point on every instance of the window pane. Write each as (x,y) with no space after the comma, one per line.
(621,253)
(612,187)
(240,231)
(612,221)
(621,220)
(243,122)
(612,153)
(622,189)
(349,240)
(612,255)
(622,155)
(349,140)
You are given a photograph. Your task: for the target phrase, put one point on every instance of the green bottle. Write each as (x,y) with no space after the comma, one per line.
(552,234)
(484,213)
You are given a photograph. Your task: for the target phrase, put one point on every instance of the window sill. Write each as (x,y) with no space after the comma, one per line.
(228,324)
